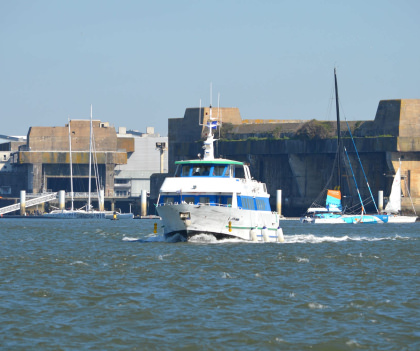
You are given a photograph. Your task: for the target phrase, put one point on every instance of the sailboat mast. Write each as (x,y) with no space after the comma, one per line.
(71,170)
(338,132)
(90,159)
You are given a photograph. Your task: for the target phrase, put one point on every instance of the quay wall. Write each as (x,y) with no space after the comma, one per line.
(301,167)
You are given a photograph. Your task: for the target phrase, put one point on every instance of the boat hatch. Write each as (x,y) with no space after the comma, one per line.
(184,215)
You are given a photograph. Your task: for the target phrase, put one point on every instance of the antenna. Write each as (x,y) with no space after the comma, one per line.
(219,116)
(199,115)
(218,105)
(211,94)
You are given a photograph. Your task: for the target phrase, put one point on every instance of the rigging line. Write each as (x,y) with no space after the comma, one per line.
(320,199)
(354,178)
(360,162)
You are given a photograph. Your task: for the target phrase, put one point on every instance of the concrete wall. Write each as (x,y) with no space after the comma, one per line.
(301,167)
(47,154)
(57,138)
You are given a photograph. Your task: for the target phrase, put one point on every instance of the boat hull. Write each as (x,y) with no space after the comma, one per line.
(79,214)
(401,219)
(188,220)
(347,219)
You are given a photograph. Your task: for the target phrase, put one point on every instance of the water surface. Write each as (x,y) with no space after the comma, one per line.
(109,285)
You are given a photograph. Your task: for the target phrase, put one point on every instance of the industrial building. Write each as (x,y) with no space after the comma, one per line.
(121,164)
(300,165)
(134,176)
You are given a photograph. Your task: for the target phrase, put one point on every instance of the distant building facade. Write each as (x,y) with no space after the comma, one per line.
(134,176)
(122,161)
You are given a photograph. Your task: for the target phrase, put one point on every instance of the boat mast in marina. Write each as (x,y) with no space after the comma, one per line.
(71,170)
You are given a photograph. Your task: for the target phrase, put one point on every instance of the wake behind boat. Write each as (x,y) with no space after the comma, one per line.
(216,197)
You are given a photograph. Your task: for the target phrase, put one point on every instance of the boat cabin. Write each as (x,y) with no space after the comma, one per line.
(222,195)
(215,168)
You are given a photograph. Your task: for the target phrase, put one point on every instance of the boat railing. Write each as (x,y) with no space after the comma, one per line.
(197,204)
(213,204)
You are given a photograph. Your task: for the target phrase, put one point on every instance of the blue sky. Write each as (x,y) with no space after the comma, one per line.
(142,62)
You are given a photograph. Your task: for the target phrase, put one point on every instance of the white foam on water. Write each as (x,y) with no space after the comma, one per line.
(226,276)
(211,239)
(203,238)
(316,306)
(288,239)
(78,262)
(353,343)
(149,238)
(313,239)
(161,257)
(127,238)
(302,259)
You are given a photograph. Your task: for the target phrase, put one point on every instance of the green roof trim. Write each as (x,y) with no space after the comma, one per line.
(210,162)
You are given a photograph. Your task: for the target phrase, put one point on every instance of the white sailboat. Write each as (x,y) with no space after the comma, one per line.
(393,207)
(86,212)
(333,212)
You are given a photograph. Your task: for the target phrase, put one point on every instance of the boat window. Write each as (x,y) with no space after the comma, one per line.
(261,204)
(206,170)
(201,170)
(189,199)
(168,200)
(185,170)
(239,172)
(247,203)
(204,200)
(178,171)
(229,200)
(219,171)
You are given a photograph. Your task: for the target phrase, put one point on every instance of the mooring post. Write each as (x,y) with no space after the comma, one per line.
(143,206)
(23,203)
(101,200)
(61,200)
(380,200)
(278,199)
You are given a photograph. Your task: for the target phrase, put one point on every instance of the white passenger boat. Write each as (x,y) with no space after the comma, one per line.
(216,197)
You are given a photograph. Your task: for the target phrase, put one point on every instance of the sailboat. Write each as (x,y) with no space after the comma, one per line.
(393,207)
(332,212)
(86,212)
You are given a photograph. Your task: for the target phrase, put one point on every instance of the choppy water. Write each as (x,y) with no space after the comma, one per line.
(109,285)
